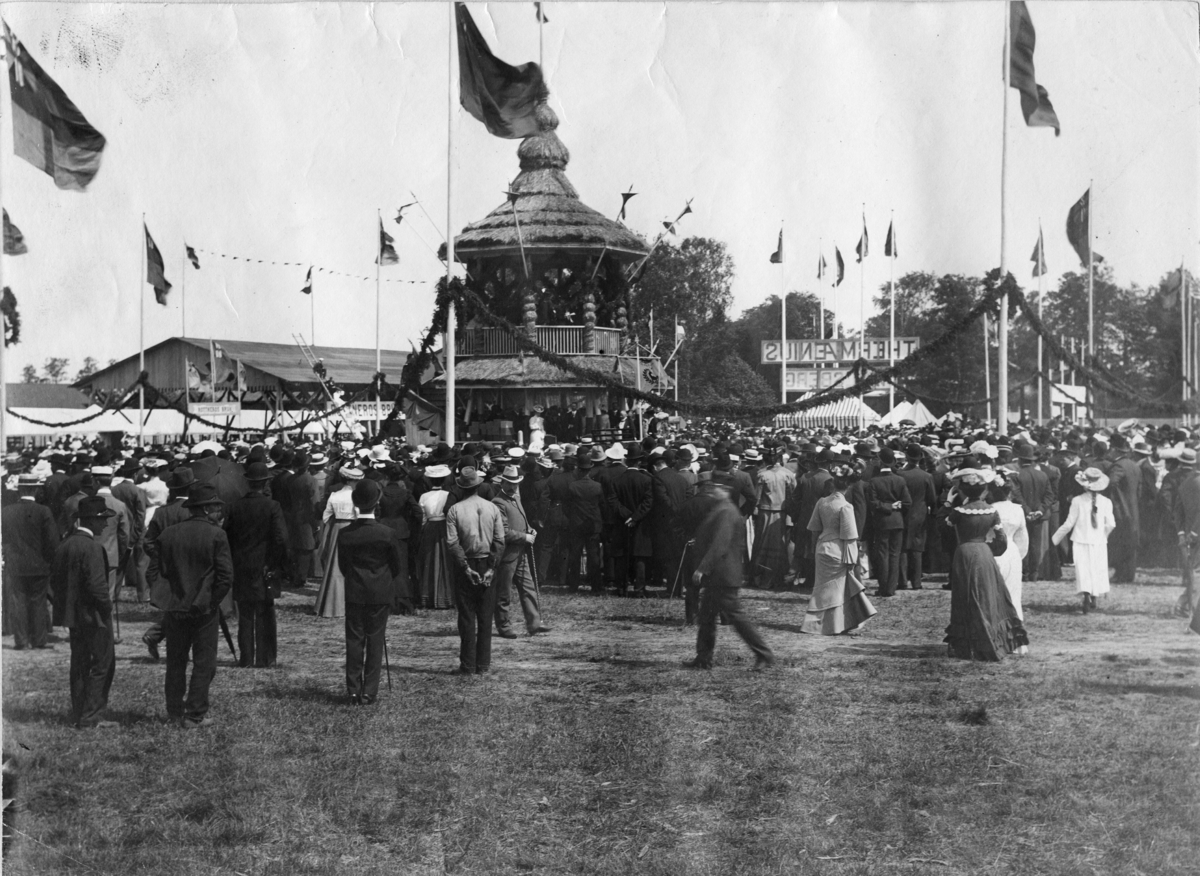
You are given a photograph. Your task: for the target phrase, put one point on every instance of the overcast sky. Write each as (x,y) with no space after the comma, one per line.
(275,132)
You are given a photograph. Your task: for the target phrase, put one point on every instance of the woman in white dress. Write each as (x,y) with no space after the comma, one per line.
(537,429)
(1012,521)
(339,513)
(838,604)
(1089,523)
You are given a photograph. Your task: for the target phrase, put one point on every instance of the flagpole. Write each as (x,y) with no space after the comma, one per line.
(892,305)
(1091,347)
(312,315)
(987,363)
(448,338)
(782,322)
(142,336)
(1183,356)
(1002,326)
(378,358)
(1041,301)
(862,313)
(183,296)
(677,360)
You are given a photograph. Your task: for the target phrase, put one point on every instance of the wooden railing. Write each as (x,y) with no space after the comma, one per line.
(566,339)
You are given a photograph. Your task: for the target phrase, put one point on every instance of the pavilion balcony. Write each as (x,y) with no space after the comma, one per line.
(564,339)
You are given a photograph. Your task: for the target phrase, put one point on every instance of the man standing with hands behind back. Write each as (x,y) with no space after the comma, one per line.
(475,537)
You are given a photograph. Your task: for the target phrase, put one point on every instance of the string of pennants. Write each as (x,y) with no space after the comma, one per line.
(316,269)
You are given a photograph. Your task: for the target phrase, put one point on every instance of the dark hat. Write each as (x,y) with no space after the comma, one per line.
(469,477)
(94,506)
(583,459)
(914,451)
(181,478)
(634,452)
(301,461)
(365,494)
(258,472)
(887,456)
(202,494)
(1026,453)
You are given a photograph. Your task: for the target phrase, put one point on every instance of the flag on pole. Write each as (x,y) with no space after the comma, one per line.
(155,272)
(841,266)
(224,372)
(820,265)
(192,257)
(777,256)
(500,95)
(687,208)
(1170,294)
(863,244)
(14,240)
(400,215)
(1039,257)
(1079,231)
(307,290)
(541,16)
(1035,102)
(889,246)
(387,252)
(669,225)
(49,131)
(625,196)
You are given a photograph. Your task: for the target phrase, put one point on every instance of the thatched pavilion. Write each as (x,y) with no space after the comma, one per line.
(546,261)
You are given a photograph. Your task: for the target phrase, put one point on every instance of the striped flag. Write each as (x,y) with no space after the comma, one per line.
(155,272)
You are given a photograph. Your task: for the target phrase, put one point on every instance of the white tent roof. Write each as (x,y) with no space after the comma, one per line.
(905,410)
(843,414)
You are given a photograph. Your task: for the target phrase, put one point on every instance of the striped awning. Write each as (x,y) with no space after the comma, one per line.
(842,414)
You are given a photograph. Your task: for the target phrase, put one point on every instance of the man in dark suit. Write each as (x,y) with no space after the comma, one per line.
(670,492)
(258,542)
(300,496)
(888,501)
(1124,484)
(1037,501)
(178,485)
(631,499)
(811,487)
(369,557)
(29,537)
(194,562)
(83,603)
(720,541)
(399,511)
(612,531)
(515,570)
(134,497)
(923,492)
(1068,488)
(584,520)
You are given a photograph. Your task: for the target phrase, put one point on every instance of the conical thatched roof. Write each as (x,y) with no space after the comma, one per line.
(552,218)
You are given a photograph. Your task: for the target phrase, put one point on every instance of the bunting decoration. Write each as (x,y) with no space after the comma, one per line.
(14,240)
(155,272)
(49,131)
(1039,257)
(777,256)
(192,257)
(387,252)
(1035,102)
(889,246)
(625,196)
(315,268)
(500,95)
(307,290)
(841,266)
(1079,229)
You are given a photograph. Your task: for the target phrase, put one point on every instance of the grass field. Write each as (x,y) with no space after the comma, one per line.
(591,751)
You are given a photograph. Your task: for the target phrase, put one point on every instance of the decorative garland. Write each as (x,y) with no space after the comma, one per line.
(415,365)
(961,403)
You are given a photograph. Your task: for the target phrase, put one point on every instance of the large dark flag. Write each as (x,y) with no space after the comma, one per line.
(541,16)
(1079,229)
(820,265)
(307,290)
(841,266)
(889,246)
(49,131)
(1039,257)
(863,243)
(777,256)
(14,240)
(387,252)
(155,272)
(500,95)
(1035,102)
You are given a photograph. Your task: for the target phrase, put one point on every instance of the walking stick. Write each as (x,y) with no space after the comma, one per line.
(679,571)
(529,560)
(387,663)
(117,615)
(228,638)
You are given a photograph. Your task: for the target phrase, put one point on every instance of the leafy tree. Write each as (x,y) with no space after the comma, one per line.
(692,281)
(731,379)
(761,323)
(29,375)
(55,369)
(90,367)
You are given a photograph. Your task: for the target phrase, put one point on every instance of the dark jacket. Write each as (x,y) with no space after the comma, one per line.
(721,541)
(194,563)
(606,476)
(632,495)
(29,536)
(582,508)
(516,526)
(79,583)
(670,493)
(258,540)
(399,510)
(883,491)
(1034,489)
(298,501)
(924,502)
(135,500)
(1124,484)
(369,557)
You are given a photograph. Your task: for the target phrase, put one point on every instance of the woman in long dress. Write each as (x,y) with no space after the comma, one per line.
(839,603)
(339,513)
(435,570)
(983,622)
(1089,523)
(1012,521)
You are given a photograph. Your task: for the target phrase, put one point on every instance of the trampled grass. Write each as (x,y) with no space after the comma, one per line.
(590,751)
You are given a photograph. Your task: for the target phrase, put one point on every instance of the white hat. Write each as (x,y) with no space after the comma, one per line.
(102,469)
(437,471)
(516,452)
(617,451)
(352,474)
(379,453)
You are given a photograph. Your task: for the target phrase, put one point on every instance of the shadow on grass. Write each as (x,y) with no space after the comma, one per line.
(1102,611)
(884,649)
(648,620)
(783,628)
(53,716)
(1185,691)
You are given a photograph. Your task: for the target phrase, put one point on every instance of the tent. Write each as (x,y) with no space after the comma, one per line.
(843,414)
(905,410)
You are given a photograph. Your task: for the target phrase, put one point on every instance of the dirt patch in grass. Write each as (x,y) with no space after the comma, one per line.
(591,751)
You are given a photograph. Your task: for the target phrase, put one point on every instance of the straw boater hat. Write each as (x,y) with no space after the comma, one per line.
(1092,479)
(437,471)
(974,475)
(351,474)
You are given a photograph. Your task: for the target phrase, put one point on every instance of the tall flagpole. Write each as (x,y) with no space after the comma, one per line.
(987,363)
(862,314)
(312,316)
(892,305)
(1002,327)
(448,339)
(182,296)
(676,358)
(1091,345)
(782,322)
(1041,301)
(142,336)
(378,358)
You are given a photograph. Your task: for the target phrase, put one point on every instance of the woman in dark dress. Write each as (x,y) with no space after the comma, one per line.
(983,621)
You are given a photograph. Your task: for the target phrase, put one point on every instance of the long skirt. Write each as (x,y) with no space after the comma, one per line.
(435,568)
(769,564)
(841,603)
(1091,568)
(1010,570)
(983,622)
(331,597)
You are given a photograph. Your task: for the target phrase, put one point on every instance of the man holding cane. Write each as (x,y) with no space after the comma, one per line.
(515,568)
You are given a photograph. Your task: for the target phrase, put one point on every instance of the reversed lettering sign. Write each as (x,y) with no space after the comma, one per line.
(802,351)
(215,409)
(812,379)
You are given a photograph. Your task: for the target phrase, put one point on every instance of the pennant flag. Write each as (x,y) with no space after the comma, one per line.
(400,215)
(687,208)
(625,196)
(1170,295)
(14,240)
(307,290)
(889,245)
(670,226)
(192,257)
(1039,257)
(49,131)
(777,256)
(680,331)
(501,96)
(863,244)
(1035,102)
(155,272)
(820,265)
(541,16)
(1079,229)
(387,252)
(512,196)
(841,266)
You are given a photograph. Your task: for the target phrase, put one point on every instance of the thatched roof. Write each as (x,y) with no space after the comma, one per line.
(552,218)
(534,373)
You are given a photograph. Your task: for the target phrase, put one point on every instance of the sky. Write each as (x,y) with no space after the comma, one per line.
(277,132)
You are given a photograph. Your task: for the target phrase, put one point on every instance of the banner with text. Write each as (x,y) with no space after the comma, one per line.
(811,350)
(812,379)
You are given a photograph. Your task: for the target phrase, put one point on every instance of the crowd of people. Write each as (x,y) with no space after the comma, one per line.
(212,533)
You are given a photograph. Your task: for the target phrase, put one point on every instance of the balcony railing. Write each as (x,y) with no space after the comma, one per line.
(566,339)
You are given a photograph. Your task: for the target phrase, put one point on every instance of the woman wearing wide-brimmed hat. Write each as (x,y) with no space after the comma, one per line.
(1089,523)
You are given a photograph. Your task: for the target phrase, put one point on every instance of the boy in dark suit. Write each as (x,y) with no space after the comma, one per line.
(370,559)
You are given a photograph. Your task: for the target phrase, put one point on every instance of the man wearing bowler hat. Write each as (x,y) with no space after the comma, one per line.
(196,568)
(1037,500)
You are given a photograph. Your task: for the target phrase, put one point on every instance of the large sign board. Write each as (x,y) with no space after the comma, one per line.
(810,351)
(215,409)
(812,379)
